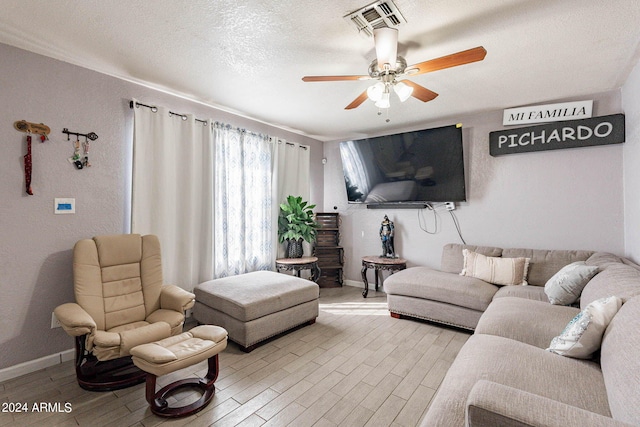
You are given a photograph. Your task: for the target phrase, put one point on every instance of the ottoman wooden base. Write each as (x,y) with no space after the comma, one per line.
(158,400)
(178,352)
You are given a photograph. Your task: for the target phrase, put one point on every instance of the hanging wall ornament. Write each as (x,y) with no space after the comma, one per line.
(75,159)
(85,159)
(28,166)
(80,162)
(29,128)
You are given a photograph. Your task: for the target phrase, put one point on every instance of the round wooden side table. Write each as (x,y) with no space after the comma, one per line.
(298,264)
(378,264)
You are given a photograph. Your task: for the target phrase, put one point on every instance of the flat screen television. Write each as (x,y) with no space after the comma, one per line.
(406,168)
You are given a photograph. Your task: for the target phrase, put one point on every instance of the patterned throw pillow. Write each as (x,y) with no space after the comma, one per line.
(583,335)
(566,285)
(496,270)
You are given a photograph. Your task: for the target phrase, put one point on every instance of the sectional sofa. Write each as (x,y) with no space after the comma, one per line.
(514,370)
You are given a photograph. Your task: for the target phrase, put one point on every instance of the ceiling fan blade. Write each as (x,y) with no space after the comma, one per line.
(420,92)
(386,42)
(448,61)
(333,78)
(357,102)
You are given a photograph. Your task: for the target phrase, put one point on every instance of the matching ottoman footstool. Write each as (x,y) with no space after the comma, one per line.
(177,352)
(256,306)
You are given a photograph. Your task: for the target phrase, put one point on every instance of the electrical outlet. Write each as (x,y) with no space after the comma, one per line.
(450,206)
(55,323)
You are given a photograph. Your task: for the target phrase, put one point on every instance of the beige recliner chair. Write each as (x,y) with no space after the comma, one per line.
(121,302)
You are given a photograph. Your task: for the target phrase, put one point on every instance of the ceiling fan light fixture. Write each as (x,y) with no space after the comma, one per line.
(383,102)
(403,91)
(386,42)
(375,92)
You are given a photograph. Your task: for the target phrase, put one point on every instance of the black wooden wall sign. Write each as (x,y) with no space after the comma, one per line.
(553,136)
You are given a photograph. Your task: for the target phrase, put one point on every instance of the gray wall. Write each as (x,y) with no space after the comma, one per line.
(631,104)
(35,244)
(561,199)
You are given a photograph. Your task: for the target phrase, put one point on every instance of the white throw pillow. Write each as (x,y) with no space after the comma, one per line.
(566,285)
(496,270)
(583,335)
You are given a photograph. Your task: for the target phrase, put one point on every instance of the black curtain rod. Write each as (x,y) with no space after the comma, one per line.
(184,117)
(293,145)
(155,109)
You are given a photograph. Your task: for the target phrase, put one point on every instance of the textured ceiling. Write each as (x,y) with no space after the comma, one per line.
(248,57)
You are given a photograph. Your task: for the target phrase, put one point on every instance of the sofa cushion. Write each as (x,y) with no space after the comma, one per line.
(544,263)
(496,270)
(603,260)
(620,361)
(453,261)
(528,321)
(426,283)
(528,292)
(617,279)
(566,285)
(520,366)
(583,334)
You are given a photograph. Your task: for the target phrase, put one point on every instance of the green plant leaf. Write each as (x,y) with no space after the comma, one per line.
(296,220)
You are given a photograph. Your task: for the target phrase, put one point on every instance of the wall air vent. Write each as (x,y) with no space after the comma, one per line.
(383,13)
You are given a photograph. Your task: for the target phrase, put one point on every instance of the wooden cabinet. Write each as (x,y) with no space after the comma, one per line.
(328,250)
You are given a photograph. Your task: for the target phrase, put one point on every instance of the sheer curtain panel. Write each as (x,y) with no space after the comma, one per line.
(172,195)
(243,215)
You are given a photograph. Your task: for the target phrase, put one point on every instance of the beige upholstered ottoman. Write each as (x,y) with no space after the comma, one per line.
(177,352)
(256,306)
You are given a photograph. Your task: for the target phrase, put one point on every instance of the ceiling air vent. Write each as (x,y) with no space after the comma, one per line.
(383,13)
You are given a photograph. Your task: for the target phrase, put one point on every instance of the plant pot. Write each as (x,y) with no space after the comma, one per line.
(294,249)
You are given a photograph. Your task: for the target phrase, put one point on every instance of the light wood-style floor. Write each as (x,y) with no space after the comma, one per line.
(356,366)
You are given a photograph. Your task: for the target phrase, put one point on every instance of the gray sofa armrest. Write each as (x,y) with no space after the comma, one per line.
(495,405)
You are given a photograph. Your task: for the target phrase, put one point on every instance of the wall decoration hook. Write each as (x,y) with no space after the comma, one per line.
(91,135)
(28,127)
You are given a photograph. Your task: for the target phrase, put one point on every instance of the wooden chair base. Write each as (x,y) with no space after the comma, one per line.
(122,376)
(116,374)
(158,400)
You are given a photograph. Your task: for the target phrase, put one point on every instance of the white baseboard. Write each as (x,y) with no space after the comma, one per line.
(354,283)
(360,284)
(35,365)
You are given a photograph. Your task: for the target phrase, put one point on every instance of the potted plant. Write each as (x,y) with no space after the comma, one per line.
(296,223)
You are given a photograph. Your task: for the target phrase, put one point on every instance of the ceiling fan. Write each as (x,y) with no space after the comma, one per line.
(389,69)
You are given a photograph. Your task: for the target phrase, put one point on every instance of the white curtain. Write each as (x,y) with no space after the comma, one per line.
(243,215)
(172,195)
(211,193)
(290,178)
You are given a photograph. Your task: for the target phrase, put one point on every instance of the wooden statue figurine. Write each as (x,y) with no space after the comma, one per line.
(386,235)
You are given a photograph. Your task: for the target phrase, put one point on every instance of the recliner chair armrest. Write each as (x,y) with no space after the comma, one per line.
(490,404)
(74,319)
(175,298)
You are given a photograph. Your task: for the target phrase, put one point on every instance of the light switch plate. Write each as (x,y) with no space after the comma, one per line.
(64,206)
